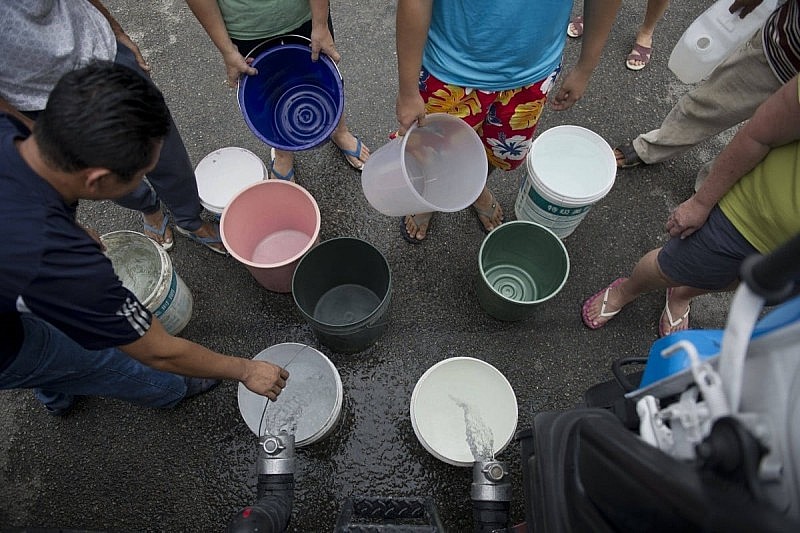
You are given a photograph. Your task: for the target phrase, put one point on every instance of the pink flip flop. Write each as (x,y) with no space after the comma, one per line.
(591,324)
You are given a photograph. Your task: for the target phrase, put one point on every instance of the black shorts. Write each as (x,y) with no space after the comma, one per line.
(709,258)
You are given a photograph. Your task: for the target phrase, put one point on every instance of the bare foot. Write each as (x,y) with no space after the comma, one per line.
(281,165)
(603,305)
(675,316)
(153,229)
(417,225)
(348,144)
(489,211)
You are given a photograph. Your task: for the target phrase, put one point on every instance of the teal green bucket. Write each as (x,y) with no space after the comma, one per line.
(522,264)
(342,287)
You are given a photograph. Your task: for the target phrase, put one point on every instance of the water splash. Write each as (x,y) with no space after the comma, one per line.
(480,438)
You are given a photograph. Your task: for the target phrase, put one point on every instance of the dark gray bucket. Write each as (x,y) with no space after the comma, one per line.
(343,287)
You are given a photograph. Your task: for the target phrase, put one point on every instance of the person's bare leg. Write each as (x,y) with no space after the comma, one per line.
(488,209)
(646,277)
(644,37)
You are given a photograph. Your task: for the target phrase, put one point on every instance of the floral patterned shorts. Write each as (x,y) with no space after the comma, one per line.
(504,120)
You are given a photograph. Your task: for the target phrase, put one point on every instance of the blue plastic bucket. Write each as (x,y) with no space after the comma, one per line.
(293,103)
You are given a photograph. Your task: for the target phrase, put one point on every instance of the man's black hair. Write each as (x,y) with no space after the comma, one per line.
(102,115)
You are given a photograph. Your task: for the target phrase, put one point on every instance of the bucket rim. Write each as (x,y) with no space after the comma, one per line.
(325,60)
(368,321)
(165,271)
(415,396)
(312,238)
(510,224)
(208,202)
(432,118)
(555,195)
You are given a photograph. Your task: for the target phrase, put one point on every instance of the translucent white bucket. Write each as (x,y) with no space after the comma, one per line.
(463,410)
(223,173)
(570,168)
(439,167)
(310,405)
(146,270)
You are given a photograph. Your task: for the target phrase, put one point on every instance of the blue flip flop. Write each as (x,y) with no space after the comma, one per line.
(160,231)
(353,153)
(208,242)
(289,176)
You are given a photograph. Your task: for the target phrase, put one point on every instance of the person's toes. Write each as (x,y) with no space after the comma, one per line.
(208,230)
(417,226)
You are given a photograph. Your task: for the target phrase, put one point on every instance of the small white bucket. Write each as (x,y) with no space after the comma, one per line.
(311,404)
(570,168)
(463,410)
(223,173)
(146,270)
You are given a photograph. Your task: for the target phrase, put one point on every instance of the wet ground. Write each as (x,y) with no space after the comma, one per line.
(113,466)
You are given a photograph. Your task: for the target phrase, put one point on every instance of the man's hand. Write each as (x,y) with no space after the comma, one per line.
(123,38)
(687,218)
(265,379)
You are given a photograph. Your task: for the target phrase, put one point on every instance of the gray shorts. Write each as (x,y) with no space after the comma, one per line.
(709,258)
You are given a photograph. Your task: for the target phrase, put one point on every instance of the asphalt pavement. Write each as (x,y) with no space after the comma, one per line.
(116,467)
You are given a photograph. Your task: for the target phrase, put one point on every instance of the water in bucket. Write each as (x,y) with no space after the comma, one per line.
(463,410)
(310,405)
(342,287)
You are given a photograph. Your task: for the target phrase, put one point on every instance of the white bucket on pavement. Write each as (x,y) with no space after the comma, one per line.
(570,168)
(146,270)
(223,173)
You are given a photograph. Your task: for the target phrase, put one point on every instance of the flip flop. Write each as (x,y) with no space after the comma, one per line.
(684,318)
(407,236)
(575,27)
(591,324)
(353,153)
(289,176)
(161,231)
(208,242)
(639,53)
(488,214)
(630,158)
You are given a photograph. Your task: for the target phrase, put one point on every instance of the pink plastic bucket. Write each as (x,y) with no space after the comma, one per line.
(269,226)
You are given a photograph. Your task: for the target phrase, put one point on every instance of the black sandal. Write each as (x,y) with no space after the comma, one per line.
(629,156)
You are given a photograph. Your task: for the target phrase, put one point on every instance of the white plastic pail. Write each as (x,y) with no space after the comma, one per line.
(310,405)
(223,173)
(440,166)
(146,270)
(570,168)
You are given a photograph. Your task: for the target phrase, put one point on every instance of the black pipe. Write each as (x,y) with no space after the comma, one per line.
(491,496)
(272,510)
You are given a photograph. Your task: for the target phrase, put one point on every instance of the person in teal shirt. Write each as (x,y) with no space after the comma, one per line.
(492,64)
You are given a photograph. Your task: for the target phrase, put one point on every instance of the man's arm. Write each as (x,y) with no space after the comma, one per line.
(776,122)
(598,17)
(160,350)
(321,38)
(120,34)
(413,22)
(210,17)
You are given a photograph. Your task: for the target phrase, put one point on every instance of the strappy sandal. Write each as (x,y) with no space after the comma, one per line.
(639,57)
(404,231)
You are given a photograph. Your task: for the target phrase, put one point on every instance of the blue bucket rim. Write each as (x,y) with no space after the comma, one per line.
(324,59)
